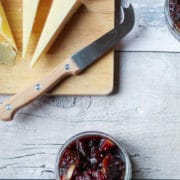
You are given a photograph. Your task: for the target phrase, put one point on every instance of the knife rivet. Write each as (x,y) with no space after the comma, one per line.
(38,87)
(67,66)
(8,107)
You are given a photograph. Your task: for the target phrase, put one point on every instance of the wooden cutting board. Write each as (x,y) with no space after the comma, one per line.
(92,20)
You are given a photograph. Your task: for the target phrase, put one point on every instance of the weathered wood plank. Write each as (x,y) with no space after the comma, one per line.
(150,32)
(144,115)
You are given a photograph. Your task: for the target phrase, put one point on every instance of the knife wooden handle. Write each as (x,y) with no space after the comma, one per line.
(8,108)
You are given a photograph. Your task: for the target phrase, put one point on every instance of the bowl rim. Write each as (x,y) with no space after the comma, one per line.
(128,167)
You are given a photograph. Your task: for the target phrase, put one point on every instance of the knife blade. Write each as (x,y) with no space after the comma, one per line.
(72,66)
(97,49)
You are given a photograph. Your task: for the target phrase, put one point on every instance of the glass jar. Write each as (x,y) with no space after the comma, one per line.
(172,14)
(122,152)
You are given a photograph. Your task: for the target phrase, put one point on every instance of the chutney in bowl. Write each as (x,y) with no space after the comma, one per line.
(93,156)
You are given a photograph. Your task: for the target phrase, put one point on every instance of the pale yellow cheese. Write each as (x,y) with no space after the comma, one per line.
(8,49)
(30,8)
(5,30)
(7,53)
(60,12)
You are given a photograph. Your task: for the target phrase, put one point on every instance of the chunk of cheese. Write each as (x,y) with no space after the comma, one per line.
(30,8)
(7,53)
(5,30)
(59,14)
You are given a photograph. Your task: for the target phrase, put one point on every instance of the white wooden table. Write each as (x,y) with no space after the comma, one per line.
(143,112)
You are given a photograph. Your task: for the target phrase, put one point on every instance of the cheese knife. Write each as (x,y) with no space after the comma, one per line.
(72,66)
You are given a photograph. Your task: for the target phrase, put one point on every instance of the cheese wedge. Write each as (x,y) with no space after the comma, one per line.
(7,54)
(8,49)
(5,30)
(30,8)
(59,14)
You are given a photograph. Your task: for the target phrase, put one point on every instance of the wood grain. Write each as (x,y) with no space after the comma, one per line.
(38,89)
(150,32)
(144,115)
(92,20)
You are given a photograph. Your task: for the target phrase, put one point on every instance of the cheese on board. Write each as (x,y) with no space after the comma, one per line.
(7,53)
(30,8)
(59,14)
(5,30)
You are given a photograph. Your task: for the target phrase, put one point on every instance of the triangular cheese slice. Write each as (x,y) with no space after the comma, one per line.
(7,53)
(60,12)
(30,8)
(5,30)
(8,49)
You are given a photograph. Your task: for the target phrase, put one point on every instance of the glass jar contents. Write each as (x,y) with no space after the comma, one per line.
(92,157)
(174,8)
(172,14)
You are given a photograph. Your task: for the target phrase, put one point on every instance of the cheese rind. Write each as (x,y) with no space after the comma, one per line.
(5,30)
(29,13)
(60,13)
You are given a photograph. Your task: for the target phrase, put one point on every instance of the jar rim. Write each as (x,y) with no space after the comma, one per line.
(128,168)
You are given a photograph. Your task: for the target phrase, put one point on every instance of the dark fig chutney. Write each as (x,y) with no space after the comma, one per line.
(91,157)
(172,14)
(174,8)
